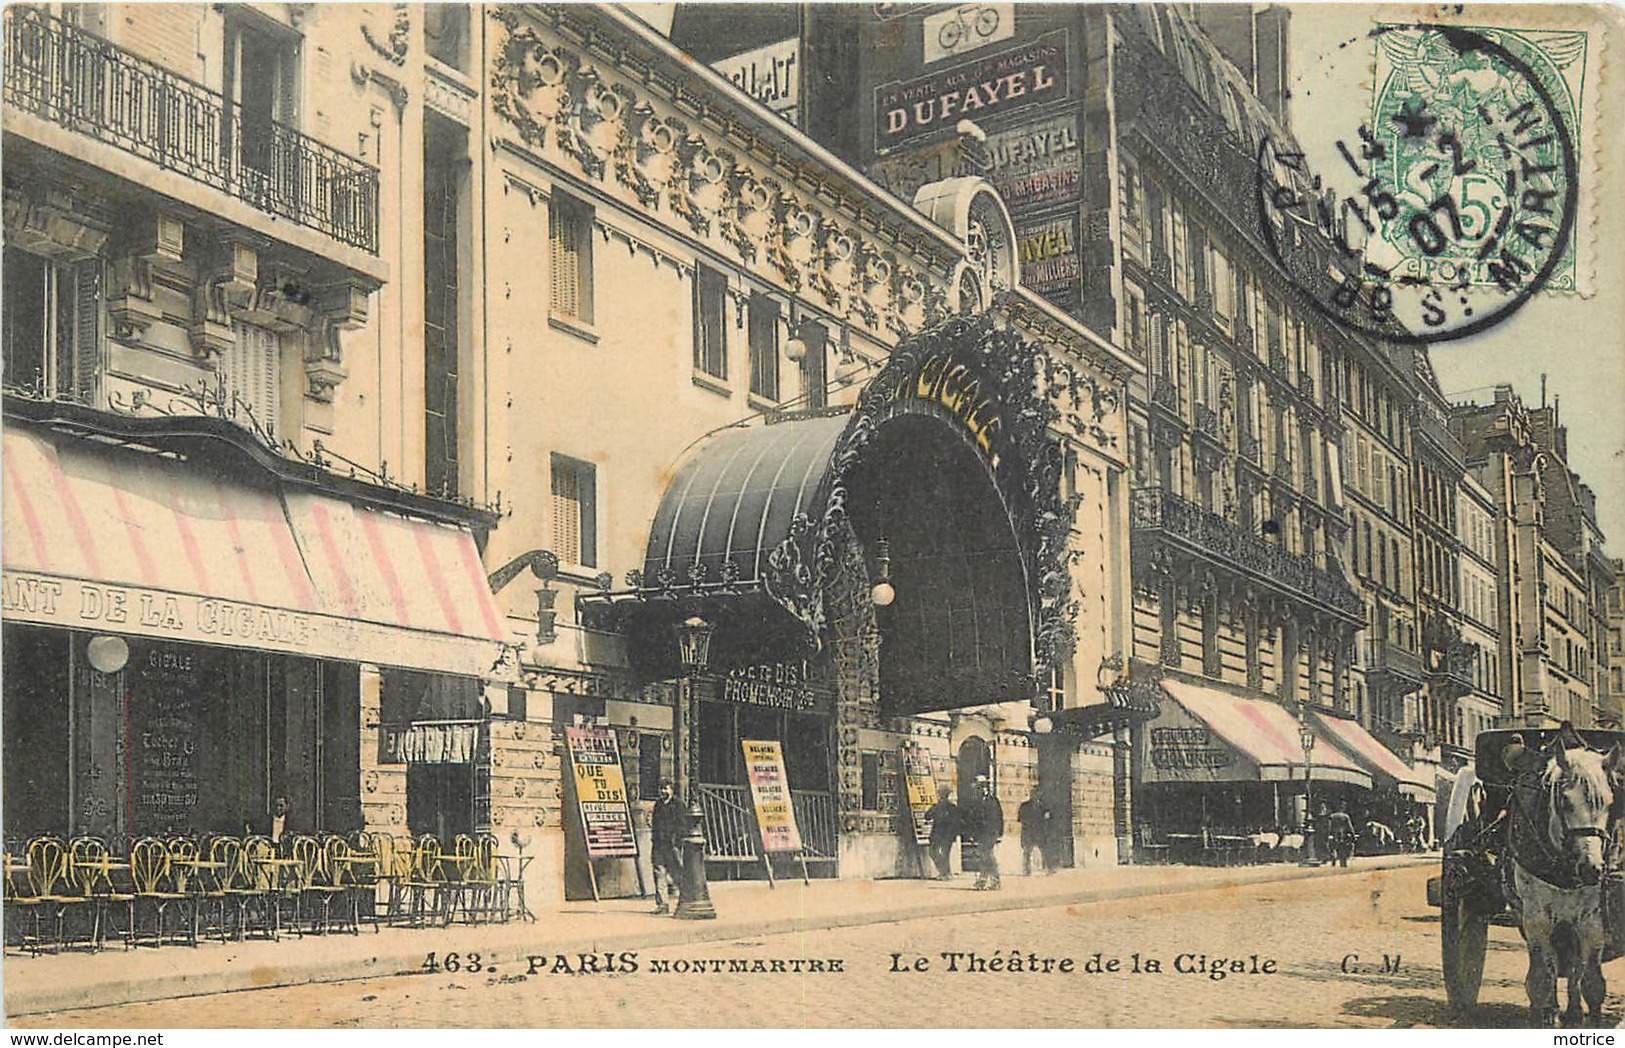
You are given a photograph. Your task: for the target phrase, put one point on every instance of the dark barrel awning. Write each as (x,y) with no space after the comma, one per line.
(729,514)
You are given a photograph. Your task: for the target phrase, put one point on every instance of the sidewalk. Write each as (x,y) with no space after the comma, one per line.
(745,910)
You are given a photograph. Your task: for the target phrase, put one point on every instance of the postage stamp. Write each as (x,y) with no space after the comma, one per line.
(1430,78)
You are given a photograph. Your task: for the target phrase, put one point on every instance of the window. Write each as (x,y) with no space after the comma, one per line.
(445,160)
(764,347)
(1224,287)
(710,327)
(48,314)
(648,766)
(1138,323)
(570,225)
(445,31)
(1134,220)
(575,511)
(814,366)
(261,74)
(252,372)
(870,768)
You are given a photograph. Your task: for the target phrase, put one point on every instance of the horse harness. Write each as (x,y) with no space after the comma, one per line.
(1543,861)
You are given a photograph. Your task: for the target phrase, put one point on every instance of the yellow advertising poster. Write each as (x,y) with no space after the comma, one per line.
(606,818)
(921,788)
(770,792)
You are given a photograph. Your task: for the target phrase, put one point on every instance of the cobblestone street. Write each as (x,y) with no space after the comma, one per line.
(1291,941)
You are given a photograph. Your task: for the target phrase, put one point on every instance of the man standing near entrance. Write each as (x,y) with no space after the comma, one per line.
(944,818)
(1034,816)
(666,832)
(985,821)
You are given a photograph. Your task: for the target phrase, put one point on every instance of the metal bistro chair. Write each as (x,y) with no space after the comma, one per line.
(459,884)
(490,893)
(331,882)
(49,894)
(362,876)
(155,886)
(307,884)
(257,887)
(215,883)
(94,863)
(423,878)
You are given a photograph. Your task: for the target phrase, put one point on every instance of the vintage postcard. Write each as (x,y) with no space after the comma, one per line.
(813,515)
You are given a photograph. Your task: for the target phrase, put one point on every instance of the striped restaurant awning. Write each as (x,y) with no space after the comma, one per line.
(124,541)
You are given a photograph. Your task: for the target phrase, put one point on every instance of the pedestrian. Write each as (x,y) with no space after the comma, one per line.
(944,818)
(667,829)
(985,823)
(1034,816)
(1340,830)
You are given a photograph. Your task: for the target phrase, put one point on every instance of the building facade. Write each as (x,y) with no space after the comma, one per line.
(211,577)
(1271,531)
(1551,575)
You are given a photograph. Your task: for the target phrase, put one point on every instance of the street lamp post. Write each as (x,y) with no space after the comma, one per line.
(1306,739)
(694,652)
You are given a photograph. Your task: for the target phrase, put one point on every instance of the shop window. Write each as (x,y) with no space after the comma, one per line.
(710,323)
(445,31)
(570,232)
(764,347)
(871,781)
(48,314)
(575,511)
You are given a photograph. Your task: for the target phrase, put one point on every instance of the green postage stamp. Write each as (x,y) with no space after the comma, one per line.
(1498,130)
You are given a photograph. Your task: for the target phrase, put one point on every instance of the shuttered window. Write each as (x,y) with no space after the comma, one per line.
(250,370)
(710,316)
(764,347)
(575,511)
(571,234)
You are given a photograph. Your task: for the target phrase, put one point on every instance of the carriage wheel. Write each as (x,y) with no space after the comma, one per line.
(1464,931)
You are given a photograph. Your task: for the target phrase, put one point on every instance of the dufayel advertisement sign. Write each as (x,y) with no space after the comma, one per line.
(770,794)
(606,815)
(921,788)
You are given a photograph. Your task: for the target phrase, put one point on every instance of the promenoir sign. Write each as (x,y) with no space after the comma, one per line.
(770,793)
(921,787)
(606,817)
(1031,74)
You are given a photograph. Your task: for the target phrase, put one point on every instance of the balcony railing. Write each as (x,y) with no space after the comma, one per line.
(1306,384)
(1207,421)
(1153,509)
(1388,659)
(76,80)
(1165,393)
(1250,449)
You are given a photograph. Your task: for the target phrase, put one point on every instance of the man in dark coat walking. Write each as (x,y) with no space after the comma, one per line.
(1340,833)
(667,829)
(944,818)
(1034,816)
(985,823)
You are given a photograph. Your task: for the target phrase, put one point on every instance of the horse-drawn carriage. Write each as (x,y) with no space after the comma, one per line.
(1532,836)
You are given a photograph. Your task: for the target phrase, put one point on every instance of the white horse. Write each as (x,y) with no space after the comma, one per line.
(1560,845)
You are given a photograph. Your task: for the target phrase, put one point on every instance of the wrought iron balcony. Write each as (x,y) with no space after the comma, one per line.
(1207,422)
(1306,384)
(1282,468)
(1251,449)
(1153,511)
(1393,665)
(1164,393)
(62,74)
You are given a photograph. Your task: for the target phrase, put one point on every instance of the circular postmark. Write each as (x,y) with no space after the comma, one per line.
(1445,211)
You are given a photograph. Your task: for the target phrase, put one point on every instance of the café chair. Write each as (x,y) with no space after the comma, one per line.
(95,865)
(155,887)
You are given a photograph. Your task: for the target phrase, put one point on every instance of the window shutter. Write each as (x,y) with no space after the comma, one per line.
(87,344)
(566,512)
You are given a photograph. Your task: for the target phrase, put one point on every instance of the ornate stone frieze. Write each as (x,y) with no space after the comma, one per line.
(608,119)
